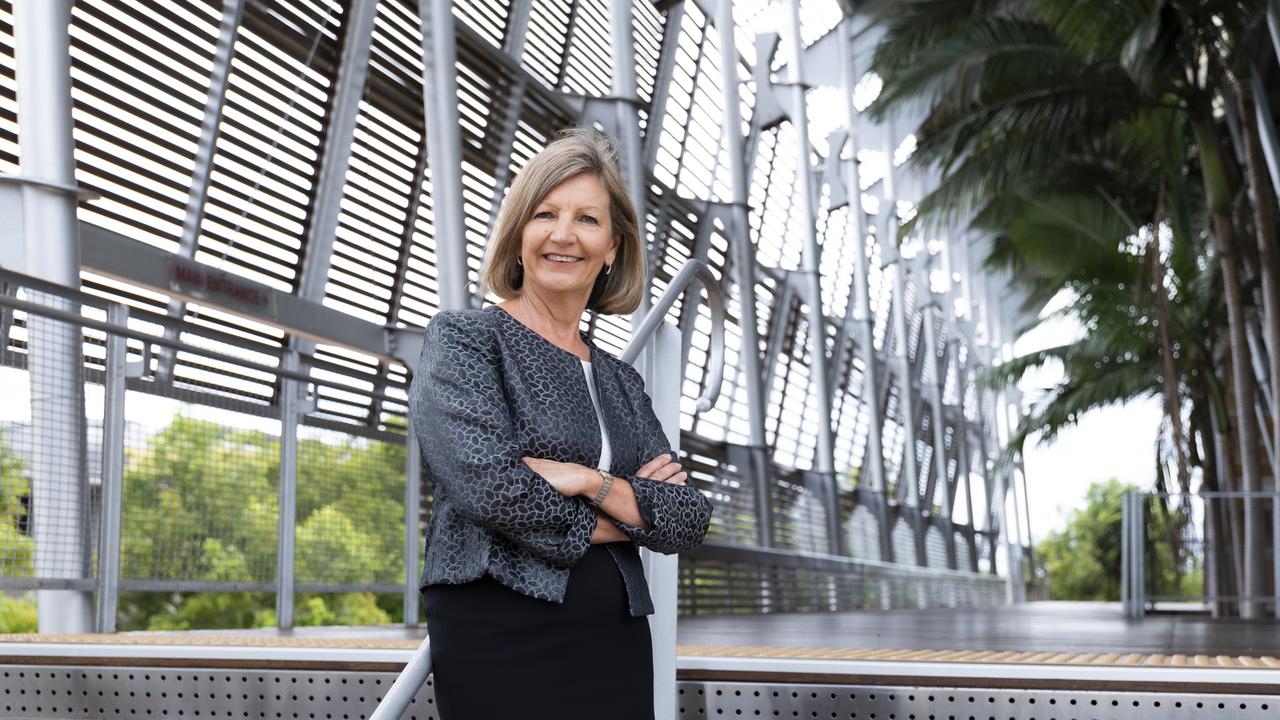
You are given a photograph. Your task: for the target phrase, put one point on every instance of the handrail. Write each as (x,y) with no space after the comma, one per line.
(692,270)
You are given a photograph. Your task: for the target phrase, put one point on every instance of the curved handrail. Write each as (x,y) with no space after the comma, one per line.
(692,270)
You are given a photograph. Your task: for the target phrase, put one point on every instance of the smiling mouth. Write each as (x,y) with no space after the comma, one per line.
(561,259)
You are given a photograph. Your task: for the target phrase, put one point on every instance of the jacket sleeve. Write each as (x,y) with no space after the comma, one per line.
(460,415)
(677,516)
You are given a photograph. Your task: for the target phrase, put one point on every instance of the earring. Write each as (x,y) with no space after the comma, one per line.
(519,262)
(607,268)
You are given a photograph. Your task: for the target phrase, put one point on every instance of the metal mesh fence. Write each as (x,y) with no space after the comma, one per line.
(350,512)
(200,485)
(48,480)
(200,503)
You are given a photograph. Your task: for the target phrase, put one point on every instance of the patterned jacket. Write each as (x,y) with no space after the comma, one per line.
(488,390)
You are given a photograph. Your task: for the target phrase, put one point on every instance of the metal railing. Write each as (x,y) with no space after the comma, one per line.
(1188,549)
(176,488)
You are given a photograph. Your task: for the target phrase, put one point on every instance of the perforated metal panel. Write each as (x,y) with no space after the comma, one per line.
(99,692)
(858,702)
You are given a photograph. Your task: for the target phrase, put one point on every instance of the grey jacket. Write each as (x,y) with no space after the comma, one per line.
(488,390)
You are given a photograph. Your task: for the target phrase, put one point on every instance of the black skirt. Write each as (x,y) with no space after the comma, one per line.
(498,653)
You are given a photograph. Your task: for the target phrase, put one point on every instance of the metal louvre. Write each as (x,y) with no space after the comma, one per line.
(8,93)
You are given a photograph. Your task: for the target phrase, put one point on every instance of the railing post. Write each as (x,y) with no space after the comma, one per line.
(412,533)
(1275,552)
(1124,557)
(286,527)
(114,379)
(1139,555)
(662,360)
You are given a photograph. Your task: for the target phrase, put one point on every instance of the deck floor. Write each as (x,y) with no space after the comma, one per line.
(1032,627)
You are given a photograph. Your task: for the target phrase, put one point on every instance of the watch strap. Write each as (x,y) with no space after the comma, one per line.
(604,489)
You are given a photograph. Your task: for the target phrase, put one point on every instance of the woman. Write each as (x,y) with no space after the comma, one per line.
(547,463)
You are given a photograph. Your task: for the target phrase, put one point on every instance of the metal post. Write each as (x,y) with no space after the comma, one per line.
(1275,553)
(661,361)
(444,149)
(744,272)
(824,462)
(873,460)
(412,532)
(1126,543)
(287,493)
(112,471)
(50,236)
(908,478)
(627,108)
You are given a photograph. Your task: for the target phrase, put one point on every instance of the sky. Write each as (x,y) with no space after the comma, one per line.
(1112,442)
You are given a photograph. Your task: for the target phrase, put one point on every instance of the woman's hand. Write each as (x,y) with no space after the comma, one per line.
(569,479)
(664,468)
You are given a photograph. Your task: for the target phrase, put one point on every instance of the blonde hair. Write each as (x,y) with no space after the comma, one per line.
(573,151)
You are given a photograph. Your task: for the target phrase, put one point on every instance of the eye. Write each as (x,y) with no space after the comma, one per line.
(591,219)
(544,212)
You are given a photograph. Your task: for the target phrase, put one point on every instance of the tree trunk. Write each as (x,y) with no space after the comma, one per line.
(1265,230)
(1217,192)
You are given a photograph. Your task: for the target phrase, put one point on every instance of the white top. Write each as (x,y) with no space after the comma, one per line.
(606,456)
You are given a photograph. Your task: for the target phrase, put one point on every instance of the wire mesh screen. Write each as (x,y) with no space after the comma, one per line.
(350,510)
(200,503)
(766,585)
(49,474)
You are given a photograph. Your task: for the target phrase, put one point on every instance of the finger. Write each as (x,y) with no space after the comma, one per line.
(666,471)
(652,465)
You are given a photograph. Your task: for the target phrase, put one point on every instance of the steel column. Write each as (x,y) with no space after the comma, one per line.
(630,151)
(744,270)
(444,149)
(58,467)
(810,265)
(662,83)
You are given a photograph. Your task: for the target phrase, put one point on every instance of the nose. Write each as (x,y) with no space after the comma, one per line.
(562,230)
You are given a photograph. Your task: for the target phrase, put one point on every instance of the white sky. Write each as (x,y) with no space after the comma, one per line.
(1114,442)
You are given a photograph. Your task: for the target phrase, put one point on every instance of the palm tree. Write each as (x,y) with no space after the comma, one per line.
(1076,134)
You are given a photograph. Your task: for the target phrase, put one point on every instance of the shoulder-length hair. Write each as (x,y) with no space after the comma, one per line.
(573,151)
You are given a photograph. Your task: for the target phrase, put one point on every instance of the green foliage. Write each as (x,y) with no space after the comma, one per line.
(17,615)
(17,547)
(201,503)
(1082,561)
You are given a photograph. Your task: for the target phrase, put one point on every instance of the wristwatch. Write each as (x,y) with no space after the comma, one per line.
(604,489)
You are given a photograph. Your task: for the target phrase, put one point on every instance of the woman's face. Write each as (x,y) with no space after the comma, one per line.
(569,238)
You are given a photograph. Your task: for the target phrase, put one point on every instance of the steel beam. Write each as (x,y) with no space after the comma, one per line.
(228,32)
